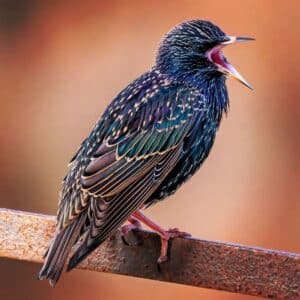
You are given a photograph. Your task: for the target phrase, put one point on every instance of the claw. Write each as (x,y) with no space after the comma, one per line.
(127,228)
(175,232)
(124,240)
(162,259)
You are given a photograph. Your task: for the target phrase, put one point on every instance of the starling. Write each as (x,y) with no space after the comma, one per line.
(152,137)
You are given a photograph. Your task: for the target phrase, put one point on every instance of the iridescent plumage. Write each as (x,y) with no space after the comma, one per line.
(152,137)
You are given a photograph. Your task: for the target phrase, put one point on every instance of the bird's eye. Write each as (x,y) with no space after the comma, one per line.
(206,45)
(203,47)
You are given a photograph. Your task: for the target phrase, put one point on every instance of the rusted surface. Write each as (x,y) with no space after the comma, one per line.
(201,263)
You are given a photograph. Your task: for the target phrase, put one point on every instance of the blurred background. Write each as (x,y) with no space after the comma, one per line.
(62,62)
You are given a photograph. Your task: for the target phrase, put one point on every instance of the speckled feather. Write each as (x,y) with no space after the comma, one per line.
(152,137)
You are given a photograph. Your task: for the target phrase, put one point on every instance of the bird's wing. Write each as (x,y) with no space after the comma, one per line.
(138,127)
(106,215)
(157,128)
(139,149)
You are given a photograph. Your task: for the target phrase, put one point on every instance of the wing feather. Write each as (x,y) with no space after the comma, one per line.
(117,209)
(133,137)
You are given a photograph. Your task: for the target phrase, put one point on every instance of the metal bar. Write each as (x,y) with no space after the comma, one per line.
(201,263)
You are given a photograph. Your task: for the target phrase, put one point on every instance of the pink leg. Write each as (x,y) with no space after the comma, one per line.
(165,235)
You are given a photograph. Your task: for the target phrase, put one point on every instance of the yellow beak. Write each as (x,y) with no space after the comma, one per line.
(228,68)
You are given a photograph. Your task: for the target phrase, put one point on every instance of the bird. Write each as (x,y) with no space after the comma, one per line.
(153,136)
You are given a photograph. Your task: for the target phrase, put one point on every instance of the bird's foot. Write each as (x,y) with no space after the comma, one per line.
(165,235)
(133,225)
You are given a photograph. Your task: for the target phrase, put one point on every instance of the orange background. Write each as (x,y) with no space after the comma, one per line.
(61,64)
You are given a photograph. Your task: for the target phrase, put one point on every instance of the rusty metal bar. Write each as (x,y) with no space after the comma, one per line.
(201,263)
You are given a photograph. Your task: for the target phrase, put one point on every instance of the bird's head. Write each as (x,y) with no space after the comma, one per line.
(193,49)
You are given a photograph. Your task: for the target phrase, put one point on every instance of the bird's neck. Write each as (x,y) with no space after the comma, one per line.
(210,85)
(213,88)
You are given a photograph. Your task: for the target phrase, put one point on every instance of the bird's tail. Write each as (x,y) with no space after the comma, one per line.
(57,253)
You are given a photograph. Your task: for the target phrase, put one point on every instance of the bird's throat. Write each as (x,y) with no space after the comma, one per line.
(216,56)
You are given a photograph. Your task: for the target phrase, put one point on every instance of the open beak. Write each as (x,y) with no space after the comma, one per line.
(216,56)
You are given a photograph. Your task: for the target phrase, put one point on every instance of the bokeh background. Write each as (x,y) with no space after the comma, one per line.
(61,63)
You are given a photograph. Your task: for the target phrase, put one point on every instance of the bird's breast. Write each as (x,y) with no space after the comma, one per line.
(196,148)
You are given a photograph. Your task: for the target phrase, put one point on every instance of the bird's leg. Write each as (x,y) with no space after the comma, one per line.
(165,235)
(134,225)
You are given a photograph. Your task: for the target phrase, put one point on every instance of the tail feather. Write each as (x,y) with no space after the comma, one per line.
(78,257)
(57,253)
(81,253)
